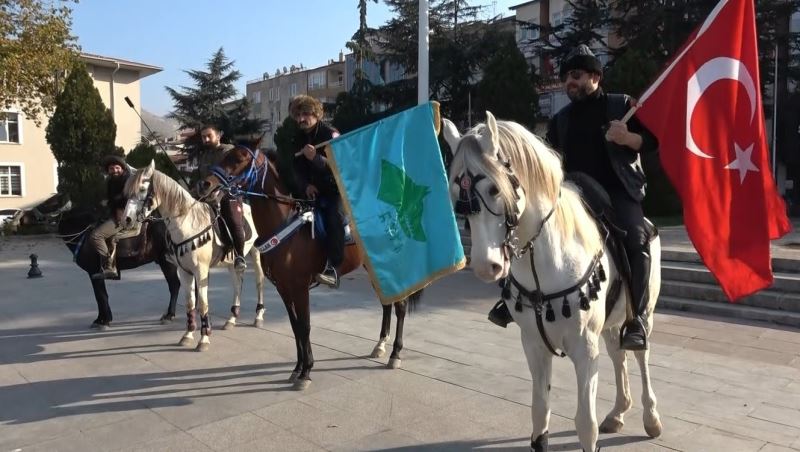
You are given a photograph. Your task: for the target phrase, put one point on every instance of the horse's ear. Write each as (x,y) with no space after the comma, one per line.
(450,134)
(488,137)
(148,171)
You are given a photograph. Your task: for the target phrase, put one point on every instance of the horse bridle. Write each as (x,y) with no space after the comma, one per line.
(140,202)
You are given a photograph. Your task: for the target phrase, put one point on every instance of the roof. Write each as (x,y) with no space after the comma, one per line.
(143,69)
(522,4)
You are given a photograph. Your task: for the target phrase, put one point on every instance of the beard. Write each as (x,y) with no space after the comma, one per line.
(577,93)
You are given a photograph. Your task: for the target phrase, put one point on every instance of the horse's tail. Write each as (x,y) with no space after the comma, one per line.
(412,300)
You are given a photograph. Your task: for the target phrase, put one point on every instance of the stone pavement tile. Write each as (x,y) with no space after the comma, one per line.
(746,427)
(384,440)
(779,334)
(661,339)
(279,441)
(708,439)
(789,417)
(775,448)
(418,388)
(795,363)
(335,427)
(673,429)
(175,442)
(741,377)
(297,411)
(659,376)
(787,397)
(119,435)
(777,345)
(385,407)
(446,426)
(500,416)
(229,433)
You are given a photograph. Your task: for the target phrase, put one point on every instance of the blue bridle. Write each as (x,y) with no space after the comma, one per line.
(248,179)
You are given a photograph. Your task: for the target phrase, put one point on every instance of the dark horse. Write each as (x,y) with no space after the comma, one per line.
(291,266)
(149,246)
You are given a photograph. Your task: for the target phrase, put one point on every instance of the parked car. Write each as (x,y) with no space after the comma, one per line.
(9,215)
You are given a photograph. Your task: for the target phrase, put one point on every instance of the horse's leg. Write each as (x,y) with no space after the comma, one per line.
(585,359)
(616,418)
(652,421)
(103,320)
(187,282)
(400,313)
(202,307)
(386,323)
(303,311)
(237,279)
(174,283)
(288,303)
(540,364)
(259,274)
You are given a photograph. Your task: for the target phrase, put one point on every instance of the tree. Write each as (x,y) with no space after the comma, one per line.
(144,152)
(80,133)
(208,102)
(506,89)
(35,50)
(284,141)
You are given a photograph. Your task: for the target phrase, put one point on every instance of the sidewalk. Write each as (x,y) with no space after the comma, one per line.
(464,382)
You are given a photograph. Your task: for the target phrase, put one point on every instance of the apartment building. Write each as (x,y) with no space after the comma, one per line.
(28,169)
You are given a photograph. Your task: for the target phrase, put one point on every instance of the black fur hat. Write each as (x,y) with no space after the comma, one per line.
(114,159)
(581,57)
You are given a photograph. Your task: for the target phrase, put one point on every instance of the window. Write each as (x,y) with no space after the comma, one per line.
(316,80)
(272,94)
(10,180)
(293,90)
(9,128)
(257,97)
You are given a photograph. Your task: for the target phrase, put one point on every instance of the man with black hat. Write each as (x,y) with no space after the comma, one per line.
(593,141)
(117,171)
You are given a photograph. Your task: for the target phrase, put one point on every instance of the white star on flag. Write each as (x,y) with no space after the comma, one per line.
(743,162)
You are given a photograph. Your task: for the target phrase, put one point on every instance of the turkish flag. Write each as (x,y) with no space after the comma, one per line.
(706,111)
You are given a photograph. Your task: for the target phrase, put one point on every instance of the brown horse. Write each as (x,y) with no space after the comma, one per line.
(292,264)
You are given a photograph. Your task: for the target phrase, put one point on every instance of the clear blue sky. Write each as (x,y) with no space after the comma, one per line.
(259,35)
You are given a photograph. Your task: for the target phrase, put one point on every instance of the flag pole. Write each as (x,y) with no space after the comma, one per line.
(775,117)
(422,57)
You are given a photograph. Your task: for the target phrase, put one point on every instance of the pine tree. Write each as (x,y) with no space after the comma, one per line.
(80,133)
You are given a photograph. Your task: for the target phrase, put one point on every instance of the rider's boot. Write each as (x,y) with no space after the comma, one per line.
(236,225)
(634,335)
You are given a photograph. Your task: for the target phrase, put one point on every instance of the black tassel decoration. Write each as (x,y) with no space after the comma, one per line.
(505,294)
(596,280)
(584,300)
(518,304)
(565,311)
(194,247)
(592,292)
(601,272)
(550,315)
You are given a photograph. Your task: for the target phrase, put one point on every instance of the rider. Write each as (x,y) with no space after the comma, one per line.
(230,206)
(594,141)
(315,179)
(117,172)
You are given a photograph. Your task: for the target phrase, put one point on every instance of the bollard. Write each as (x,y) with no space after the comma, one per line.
(34,272)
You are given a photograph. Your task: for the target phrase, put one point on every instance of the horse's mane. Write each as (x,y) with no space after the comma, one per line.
(170,193)
(541,177)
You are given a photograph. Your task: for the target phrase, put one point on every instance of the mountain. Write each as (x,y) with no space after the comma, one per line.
(164,127)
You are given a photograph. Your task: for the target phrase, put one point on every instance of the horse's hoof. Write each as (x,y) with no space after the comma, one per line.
(293,376)
(377,352)
(611,425)
(166,320)
(302,384)
(103,327)
(202,347)
(228,326)
(185,342)
(94,326)
(258,323)
(394,363)
(653,430)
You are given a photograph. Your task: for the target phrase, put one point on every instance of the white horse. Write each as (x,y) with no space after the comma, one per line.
(190,227)
(530,225)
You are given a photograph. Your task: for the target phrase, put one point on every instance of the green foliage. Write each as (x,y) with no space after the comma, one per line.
(144,153)
(284,141)
(35,49)
(205,102)
(80,133)
(506,89)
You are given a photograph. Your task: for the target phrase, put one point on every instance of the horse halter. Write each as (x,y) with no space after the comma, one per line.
(249,179)
(142,201)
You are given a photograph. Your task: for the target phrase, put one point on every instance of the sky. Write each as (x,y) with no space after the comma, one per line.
(258,35)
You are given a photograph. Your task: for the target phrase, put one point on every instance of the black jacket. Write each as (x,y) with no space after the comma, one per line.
(115,186)
(624,163)
(314,172)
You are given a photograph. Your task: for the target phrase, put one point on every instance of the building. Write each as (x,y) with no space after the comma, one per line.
(28,169)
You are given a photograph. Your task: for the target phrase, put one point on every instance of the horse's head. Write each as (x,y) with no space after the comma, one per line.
(237,167)
(141,198)
(487,193)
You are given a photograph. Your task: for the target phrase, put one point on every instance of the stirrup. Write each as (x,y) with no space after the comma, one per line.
(627,340)
(329,277)
(239,264)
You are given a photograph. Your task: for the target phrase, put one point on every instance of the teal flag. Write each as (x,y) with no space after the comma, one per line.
(394,188)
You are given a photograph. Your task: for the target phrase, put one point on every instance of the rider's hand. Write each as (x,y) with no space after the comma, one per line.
(617,132)
(311,192)
(309,151)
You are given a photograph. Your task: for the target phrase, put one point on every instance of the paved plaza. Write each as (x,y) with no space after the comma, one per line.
(464,384)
